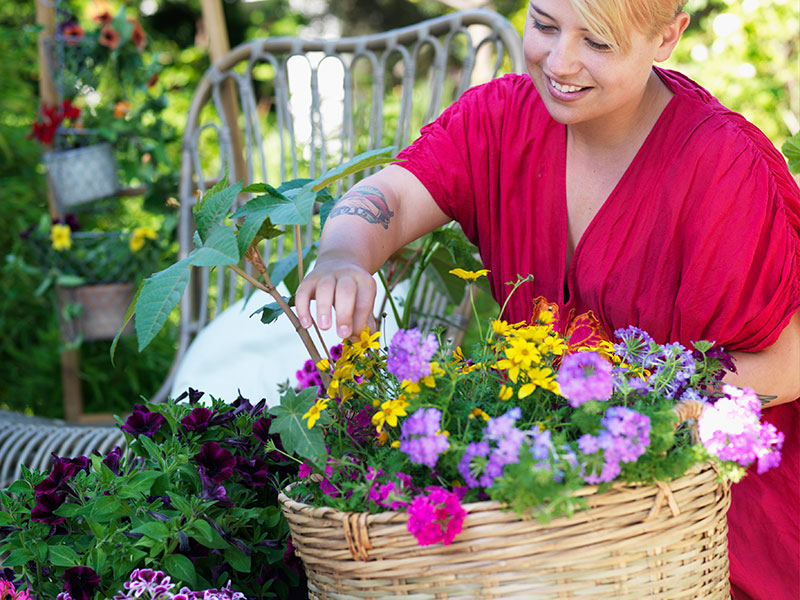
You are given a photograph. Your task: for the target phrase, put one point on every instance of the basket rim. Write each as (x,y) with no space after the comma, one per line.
(395,516)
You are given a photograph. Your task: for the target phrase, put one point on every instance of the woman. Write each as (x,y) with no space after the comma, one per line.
(626,190)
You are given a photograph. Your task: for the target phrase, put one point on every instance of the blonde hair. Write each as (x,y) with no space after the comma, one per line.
(611,20)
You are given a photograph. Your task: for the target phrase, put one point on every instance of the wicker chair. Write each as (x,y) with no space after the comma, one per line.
(279,108)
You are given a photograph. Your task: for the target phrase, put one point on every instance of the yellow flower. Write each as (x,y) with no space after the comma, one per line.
(366,342)
(138,237)
(323,365)
(477,412)
(523,353)
(390,410)
(61,237)
(383,437)
(313,413)
(469,275)
(506,392)
(546,317)
(395,444)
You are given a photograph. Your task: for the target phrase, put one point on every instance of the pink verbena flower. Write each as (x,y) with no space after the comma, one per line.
(731,429)
(436,518)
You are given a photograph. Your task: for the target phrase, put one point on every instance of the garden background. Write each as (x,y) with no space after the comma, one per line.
(747,53)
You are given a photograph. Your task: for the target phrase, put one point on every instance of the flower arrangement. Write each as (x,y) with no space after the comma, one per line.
(68,256)
(526,419)
(190,505)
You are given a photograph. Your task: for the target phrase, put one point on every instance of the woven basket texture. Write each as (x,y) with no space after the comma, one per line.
(81,175)
(632,542)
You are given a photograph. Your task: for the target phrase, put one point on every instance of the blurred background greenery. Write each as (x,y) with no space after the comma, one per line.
(747,53)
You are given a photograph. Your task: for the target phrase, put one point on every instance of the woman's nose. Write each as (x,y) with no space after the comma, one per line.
(563,57)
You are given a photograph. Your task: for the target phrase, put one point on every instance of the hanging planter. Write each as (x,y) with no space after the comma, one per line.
(101,314)
(83,174)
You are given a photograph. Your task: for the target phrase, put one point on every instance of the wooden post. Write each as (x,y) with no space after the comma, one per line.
(70,359)
(218,46)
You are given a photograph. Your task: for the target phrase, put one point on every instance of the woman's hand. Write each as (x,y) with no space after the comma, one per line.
(344,286)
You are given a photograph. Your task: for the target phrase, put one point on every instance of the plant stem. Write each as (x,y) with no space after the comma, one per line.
(389,297)
(427,252)
(299,245)
(270,289)
(475,310)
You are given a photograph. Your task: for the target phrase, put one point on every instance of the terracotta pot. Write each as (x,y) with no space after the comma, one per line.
(103,308)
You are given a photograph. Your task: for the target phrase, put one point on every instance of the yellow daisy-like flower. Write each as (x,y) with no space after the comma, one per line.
(138,237)
(390,411)
(468,275)
(323,365)
(523,353)
(313,413)
(545,317)
(544,378)
(383,437)
(477,412)
(366,342)
(506,392)
(61,237)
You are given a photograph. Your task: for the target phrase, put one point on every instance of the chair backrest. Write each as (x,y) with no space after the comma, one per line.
(280,108)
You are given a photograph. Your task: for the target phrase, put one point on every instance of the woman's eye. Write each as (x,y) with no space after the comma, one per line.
(598,45)
(537,24)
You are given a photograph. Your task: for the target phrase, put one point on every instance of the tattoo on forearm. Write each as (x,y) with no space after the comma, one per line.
(367,202)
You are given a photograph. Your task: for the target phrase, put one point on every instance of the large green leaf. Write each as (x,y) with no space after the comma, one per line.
(365,160)
(791,149)
(218,250)
(291,208)
(63,556)
(295,434)
(287,266)
(158,296)
(255,228)
(215,206)
(128,317)
(180,568)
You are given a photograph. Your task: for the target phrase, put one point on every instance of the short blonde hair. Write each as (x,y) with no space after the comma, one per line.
(611,20)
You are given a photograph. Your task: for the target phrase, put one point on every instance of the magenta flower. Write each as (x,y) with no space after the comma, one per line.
(81,582)
(198,420)
(439,517)
(305,470)
(216,460)
(143,422)
(60,474)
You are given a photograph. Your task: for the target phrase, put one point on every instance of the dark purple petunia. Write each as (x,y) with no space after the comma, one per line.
(198,420)
(46,503)
(143,422)
(7,574)
(213,490)
(60,474)
(81,582)
(191,548)
(81,463)
(216,461)
(112,460)
(253,472)
(261,431)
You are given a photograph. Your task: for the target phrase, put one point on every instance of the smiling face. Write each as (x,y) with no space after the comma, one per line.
(578,75)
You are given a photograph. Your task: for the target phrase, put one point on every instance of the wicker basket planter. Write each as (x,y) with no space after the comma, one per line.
(82,174)
(633,542)
(103,308)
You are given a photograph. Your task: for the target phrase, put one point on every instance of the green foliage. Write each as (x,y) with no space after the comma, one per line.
(791,149)
(306,442)
(155,508)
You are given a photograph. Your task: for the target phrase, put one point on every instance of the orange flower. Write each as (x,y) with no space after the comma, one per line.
(137,35)
(121,109)
(109,37)
(72,32)
(152,81)
(104,17)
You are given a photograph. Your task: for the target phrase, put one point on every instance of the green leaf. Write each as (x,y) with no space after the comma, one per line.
(159,295)
(128,317)
(291,209)
(138,484)
(181,504)
(365,160)
(325,210)
(106,508)
(282,268)
(289,423)
(791,150)
(207,535)
(153,450)
(67,510)
(155,530)
(17,558)
(180,568)
(237,559)
(20,486)
(63,556)
(270,312)
(214,207)
(219,249)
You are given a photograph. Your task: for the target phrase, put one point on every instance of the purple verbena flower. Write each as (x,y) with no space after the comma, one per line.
(468,467)
(421,438)
(585,376)
(410,353)
(624,437)
(637,347)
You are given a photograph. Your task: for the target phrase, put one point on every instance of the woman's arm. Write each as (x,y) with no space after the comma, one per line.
(773,371)
(374,219)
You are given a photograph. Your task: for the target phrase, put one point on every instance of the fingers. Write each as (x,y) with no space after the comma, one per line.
(347,289)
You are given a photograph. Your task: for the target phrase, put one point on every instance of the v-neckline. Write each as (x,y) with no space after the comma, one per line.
(568,287)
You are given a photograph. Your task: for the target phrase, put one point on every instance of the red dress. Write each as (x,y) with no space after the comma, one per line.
(700,239)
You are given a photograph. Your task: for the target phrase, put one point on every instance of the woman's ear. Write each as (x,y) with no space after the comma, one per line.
(670,36)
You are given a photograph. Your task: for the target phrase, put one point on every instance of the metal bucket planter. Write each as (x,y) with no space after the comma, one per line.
(82,174)
(103,308)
